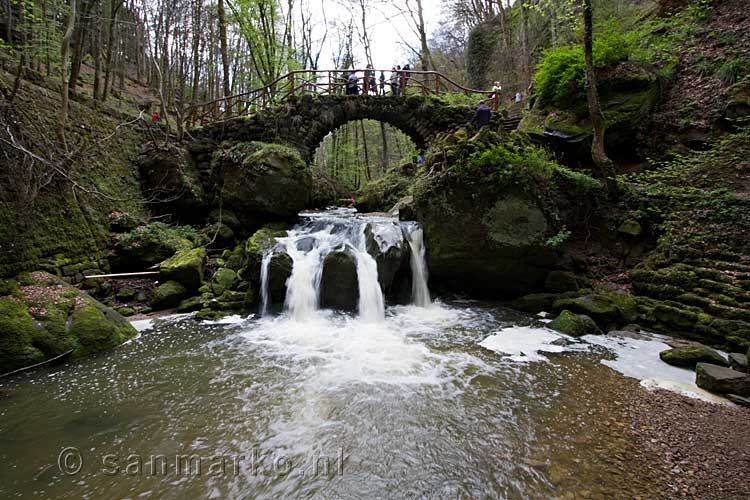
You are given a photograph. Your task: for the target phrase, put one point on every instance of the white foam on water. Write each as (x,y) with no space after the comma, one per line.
(638,357)
(234,319)
(525,344)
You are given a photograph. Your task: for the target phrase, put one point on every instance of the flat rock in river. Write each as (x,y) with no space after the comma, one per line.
(722,380)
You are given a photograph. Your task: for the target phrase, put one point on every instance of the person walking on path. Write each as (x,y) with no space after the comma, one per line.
(482,116)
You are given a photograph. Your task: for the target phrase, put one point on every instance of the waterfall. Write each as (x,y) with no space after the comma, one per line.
(371,242)
(371,302)
(420,294)
(265,264)
(303,285)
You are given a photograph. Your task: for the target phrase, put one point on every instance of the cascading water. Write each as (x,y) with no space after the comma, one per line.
(420,293)
(264,282)
(369,241)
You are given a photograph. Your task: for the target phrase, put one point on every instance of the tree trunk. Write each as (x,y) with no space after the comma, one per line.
(224,55)
(384,155)
(368,174)
(98,49)
(116,4)
(64,53)
(75,67)
(598,154)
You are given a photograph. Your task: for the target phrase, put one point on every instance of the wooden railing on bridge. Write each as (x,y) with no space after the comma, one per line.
(327,82)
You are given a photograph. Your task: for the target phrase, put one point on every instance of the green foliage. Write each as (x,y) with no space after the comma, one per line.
(558,239)
(160,234)
(560,75)
(729,72)
(479,47)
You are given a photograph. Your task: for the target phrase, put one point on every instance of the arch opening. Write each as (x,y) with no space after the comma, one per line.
(361,151)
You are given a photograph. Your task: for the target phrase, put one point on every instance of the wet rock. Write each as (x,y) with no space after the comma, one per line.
(535,302)
(191,304)
(339,284)
(168,295)
(561,281)
(45,317)
(575,325)
(279,271)
(391,253)
(305,244)
(689,356)
(722,380)
(126,311)
(185,267)
(738,362)
(739,400)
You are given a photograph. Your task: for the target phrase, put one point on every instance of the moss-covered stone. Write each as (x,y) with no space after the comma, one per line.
(689,356)
(125,294)
(126,311)
(191,304)
(605,308)
(535,302)
(168,295)
(223,280)
(575,325)
(17,331)
(185,267)
(46,317)
(98,328)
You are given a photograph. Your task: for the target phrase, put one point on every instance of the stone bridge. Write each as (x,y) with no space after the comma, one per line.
(303,122)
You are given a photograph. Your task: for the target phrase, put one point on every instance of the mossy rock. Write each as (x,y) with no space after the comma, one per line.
(185,267)
(46,318)
(126,311)
(191,304)
(99,328)
(630,227)
(721,380)
(168,295)
(689,356)
(575,325)
(125,294)
(17,331)
(223,280)
(604,308)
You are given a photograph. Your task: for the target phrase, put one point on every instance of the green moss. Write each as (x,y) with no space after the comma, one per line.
(264,239)
(574,325)
(191,304)
(98,328)
(17,331)
(186,267)
(223,280)
(168,295)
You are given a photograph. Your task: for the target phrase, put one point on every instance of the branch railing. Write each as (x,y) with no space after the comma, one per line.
(328,82)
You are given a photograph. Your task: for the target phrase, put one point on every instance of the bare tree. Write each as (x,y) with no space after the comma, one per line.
(64,54)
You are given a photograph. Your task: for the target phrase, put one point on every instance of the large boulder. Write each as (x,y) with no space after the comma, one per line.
(168,295)
(185,267)
(607,309)
(575,325)
(42,317)
(722,380)
(494,214)
(148,245)
(339,287)
(387,245)
(261,182)
(738,362)
(168,174)
(279,271)
(691,355)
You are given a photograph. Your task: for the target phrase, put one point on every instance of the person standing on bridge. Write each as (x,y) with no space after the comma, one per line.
(351,84)
(482,116)
(394,81)
(382,83)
